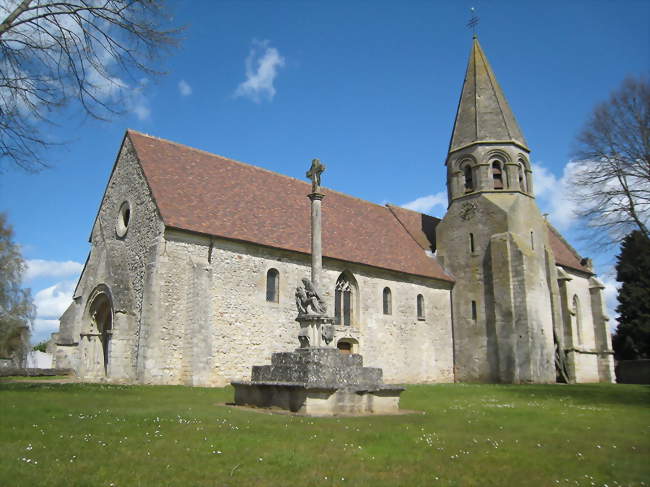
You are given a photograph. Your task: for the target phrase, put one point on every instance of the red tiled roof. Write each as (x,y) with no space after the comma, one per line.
(564,254)
(202,192)
(420,226)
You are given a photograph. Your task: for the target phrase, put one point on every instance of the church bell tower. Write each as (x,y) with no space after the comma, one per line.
(493,240)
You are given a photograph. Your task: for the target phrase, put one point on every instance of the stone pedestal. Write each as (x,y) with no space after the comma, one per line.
(315,330)
(319,382)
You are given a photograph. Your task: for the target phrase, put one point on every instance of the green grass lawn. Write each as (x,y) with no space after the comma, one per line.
(499,435)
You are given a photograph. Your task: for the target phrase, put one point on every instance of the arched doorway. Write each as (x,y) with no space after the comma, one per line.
(101,323)
(348,346)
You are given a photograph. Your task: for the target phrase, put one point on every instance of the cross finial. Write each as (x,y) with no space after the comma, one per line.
(314,174)
(473,21)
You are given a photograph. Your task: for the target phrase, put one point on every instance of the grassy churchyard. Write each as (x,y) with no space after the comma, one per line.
(499,435)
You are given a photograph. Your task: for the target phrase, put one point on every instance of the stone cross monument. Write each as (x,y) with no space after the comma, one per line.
(316,329)
(316,379)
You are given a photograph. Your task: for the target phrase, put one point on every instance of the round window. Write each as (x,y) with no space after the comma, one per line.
(123,218)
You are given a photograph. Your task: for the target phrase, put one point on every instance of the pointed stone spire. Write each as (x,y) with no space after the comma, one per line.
(483,112)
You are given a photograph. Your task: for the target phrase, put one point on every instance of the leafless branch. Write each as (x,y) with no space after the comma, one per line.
(53,53)
(611,182)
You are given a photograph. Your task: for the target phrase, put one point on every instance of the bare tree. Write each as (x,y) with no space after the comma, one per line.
(16,308)
(611,179)
(55,52)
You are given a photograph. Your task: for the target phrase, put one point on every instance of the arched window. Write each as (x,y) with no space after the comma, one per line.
(387,300)
(420,306)
(578,317)
(273,286)
(522,177)
(497,175)
(469,181)
(344,300)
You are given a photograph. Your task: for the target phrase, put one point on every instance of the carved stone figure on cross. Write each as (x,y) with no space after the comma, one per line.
(308,301)
(314,174)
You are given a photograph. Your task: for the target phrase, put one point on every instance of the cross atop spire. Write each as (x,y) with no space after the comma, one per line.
(473,22)
(483,112)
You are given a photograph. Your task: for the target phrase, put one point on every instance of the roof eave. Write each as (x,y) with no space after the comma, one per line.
(196,232)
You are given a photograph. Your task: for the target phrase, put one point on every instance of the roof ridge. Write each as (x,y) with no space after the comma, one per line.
(392,211)
(390,205)
(212,154)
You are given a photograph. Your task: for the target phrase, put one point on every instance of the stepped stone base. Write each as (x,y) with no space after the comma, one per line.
(318,382)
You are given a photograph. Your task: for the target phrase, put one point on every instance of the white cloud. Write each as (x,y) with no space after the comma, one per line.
(554,194)
(52,302)
(426,204)
(137,102)
(184,88)
(51,268)
(262,66)
(42,329)
(141,110)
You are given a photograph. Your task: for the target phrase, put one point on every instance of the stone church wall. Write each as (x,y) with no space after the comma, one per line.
(494,244)
(212,345)
(117,262)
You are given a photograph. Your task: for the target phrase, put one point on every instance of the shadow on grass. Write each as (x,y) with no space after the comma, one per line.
(602,394)
(586,394)
(54,386)
(19,386)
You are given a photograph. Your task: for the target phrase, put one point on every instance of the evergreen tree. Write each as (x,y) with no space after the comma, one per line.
(16,308)
(632,338)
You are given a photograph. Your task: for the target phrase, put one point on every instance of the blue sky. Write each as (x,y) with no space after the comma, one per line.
(369,87)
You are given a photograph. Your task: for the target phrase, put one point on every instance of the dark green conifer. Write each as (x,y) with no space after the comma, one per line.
(632,338)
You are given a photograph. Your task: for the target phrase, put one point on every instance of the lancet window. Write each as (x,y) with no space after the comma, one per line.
(344,296)
(387,301)
(420,307)
(273,286)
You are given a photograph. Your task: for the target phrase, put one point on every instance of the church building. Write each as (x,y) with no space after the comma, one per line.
(195,259)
